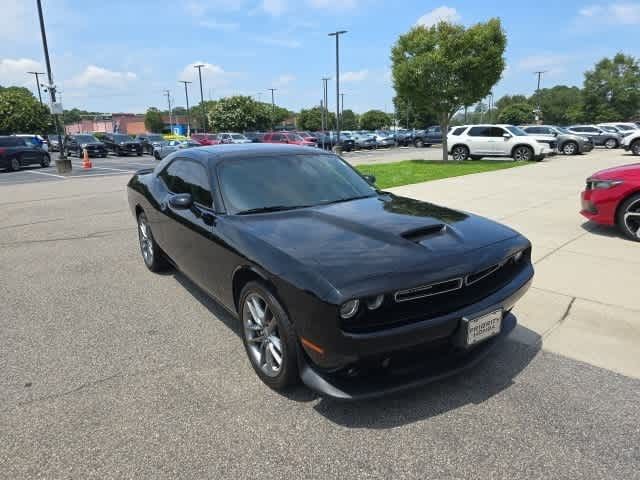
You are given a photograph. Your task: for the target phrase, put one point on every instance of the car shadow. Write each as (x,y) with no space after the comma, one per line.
(602,230)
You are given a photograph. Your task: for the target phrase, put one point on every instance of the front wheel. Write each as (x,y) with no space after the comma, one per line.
(268,337)
(523,154)
(14,164)
(460,153)
(611,143)
(570,148)
(419,143)
(152,255)
(628,218)
(635,147)
(46,160)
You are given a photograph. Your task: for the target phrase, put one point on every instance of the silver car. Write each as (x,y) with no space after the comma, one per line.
(161,151)
(233,138)
(567,142)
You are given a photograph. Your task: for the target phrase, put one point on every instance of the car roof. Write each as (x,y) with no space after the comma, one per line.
(216,153)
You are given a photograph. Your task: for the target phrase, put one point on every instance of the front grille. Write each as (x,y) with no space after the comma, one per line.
(553,145)
(434,300)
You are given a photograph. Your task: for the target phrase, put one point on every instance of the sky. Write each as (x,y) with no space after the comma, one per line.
(120,56)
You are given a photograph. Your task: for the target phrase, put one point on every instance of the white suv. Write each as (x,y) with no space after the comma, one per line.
(632,142)
(477,141)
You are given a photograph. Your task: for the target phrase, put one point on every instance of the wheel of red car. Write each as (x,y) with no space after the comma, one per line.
(268,337)
(629,217)
(635,147)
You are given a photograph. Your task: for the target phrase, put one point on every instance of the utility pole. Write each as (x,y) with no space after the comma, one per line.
(168,94)
(538,109)
(37,74)
(204,114)
(186,95)
(325,96)
(273,105)
(322,121)
(63,165)
(337,35)
(490,107)
(341,107)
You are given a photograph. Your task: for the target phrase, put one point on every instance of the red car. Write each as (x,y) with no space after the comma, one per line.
(286,137)
(205,138)
(308,137)
(612,197)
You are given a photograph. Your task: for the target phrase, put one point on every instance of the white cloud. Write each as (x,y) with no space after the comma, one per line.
(214,75)
(94,76)
(284,80)
(279,42)
(273,7)
(215,25)
(623,13)
(440,14)
(13,71)
(358,76)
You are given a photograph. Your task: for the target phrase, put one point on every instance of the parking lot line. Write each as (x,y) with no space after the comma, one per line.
(39,172)
(97,175)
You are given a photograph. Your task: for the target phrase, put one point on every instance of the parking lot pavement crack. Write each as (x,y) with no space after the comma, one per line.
(565,315)
(88,236)
(557,249)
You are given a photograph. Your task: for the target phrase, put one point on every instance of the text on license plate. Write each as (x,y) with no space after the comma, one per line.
(481,328)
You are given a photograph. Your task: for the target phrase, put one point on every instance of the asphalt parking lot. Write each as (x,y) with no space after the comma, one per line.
(109,371)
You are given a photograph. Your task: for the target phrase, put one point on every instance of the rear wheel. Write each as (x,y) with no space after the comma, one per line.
(152,254)
(460,153)
(14,164)
(635,147)
(629,217)
(570,148)
(419,143)
(268,337)
(611,143)
(523,154)
(46,160)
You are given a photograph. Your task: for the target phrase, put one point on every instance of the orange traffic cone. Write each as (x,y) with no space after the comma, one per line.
(86,162)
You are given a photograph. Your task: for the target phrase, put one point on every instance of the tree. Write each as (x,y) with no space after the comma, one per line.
(410,116)
(516,114)
(612,89)
(374,120)
(239,113)
(311,119)
(349,120)
(21,112)
(507,100)
(445,67)
(153,120)
(560,105)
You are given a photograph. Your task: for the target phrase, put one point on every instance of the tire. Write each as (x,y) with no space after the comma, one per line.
(460,153)
(522,153)
(15,164)
(139,154)
(570,148)
(611,143)
(156,155)
(279,338)
(117,152)
(635,147)
(628,217)
(418,143)
(46,160)
(153,256)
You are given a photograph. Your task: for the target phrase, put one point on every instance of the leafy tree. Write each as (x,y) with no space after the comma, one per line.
(410,116)
(507,100)
(612,89)
(445,67)
(516,114)
(311,119)
(349,120)
(153,120)
(21,112)
(560,105)
(374,119)
(238,113)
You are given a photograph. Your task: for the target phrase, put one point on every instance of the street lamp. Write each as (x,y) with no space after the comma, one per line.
(37,74)
(337,35)
(273,105)
(186,95)
(204,115)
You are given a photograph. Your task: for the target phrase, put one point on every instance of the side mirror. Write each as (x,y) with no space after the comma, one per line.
(181,201)
(506,136)
(371,179)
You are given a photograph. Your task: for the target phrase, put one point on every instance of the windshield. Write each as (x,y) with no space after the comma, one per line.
(155,138)
(625,127)
(562,129)
(608,129)
(122,138)
(517,131)
(86,138)
(255,183)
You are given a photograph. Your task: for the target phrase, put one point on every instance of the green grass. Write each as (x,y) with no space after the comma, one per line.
(416,171)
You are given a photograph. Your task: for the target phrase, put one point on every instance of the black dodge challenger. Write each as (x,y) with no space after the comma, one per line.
(356,291)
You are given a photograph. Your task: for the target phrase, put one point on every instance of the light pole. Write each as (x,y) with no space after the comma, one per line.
(325,96)
(63,165)
(273,105)
(168,94)
(204,115)
(337,35)
(341,106)
(186,95)
(37,74)
(538,110)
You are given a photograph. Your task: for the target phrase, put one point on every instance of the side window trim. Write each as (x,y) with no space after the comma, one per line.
(206,172)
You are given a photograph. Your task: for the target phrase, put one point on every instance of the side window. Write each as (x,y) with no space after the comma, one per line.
(276,137)
(578,129)
(479,132)
(534,130)
(186,176)
(497,132)
(458,131)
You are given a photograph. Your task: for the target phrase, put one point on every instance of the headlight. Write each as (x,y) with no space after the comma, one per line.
(604,184)
(349,309)
(121,143)
(375,302)
(83,145)
(518,256)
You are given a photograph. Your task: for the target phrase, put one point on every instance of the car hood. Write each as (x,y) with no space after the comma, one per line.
(374,237)
(618,173)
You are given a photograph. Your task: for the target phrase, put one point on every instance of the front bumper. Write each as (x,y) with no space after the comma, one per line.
(424,352)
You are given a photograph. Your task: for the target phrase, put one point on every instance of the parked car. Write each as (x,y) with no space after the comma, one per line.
(567,143)
(477,141)
(428,137)
(17,152)
(612,197)
(35,139)
(366,141)
(623,127)
(205,139)
(173,146)
(327,140)
(287,137)
(233,138)
(255,137)
(149,141)
(598,136)
(385,139)
(632,143)
(121,144)
(388,292)
(75,144)
(54,142)
(307,136)
(404,138)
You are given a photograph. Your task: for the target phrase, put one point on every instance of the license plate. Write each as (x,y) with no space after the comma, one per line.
(481,328)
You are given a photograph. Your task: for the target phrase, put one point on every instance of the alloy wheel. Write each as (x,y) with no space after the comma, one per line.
(459,154)
(522,154)
(635,148)
(611,143)
(631,218)
(261,333)
(146,241)
(569,148)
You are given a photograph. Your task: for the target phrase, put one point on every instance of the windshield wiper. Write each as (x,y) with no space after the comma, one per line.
(273,208)
(348,199)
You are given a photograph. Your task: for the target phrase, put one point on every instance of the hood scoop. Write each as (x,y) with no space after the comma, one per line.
(440,237)
(419,234)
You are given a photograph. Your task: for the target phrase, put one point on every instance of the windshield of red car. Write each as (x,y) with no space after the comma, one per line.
(256,182)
